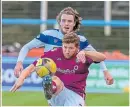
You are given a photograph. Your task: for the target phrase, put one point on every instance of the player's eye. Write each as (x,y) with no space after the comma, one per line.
(69,21)
(63,20)
(71,48)
(65,47)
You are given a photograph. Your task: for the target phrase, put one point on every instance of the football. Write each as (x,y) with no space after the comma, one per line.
(45,66)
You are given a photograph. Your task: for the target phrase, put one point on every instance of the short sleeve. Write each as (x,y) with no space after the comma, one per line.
(49,54)
(89,61)
(83,42)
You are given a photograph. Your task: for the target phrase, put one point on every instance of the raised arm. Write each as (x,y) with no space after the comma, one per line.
(95,56)
(84,45)
(81,57)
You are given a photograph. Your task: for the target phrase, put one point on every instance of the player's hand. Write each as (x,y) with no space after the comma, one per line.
(17,85)
(81,57)
(18,68)
(108,78)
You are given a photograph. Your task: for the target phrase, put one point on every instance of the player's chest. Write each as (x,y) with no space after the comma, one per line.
(69,66)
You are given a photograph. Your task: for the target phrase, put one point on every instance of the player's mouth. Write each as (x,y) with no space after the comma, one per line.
(66,28)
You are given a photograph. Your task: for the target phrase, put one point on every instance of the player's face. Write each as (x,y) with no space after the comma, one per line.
(69,50)
(67,23)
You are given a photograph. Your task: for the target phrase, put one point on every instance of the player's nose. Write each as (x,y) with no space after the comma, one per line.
(67,51)
(66,23)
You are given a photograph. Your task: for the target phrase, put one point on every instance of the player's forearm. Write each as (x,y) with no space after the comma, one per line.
(23,53)
(102,63)
(25,49)
(95,56)
(27,71)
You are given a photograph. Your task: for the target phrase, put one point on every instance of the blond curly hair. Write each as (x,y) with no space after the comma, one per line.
(71,11)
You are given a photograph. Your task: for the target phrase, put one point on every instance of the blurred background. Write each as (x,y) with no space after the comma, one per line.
(105,25)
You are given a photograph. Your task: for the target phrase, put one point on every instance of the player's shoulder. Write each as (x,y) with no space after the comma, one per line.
(58,49)
(81,36)
(55,52)
(50,31)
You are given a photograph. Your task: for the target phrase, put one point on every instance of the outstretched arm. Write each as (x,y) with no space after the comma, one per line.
(81,57)
(84,45)
(102,63)
(107,76)
(25,73)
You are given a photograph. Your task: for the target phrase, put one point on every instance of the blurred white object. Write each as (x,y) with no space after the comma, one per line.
(17,45)
(11,48)
(44,15)
(107,17)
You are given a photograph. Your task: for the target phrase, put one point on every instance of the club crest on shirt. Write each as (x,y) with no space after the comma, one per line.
(59,59)
(76,60)
(55,40)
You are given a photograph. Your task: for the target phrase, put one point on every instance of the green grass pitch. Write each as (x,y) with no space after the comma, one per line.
(37,99)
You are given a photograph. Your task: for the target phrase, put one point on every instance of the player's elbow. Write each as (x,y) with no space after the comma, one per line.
(103,57)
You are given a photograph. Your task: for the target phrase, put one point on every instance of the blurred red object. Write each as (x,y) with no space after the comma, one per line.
(36,52)
(116,55)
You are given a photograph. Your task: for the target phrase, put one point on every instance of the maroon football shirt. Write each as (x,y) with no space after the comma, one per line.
(71,72)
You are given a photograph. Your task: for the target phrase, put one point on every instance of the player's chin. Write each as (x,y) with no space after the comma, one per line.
(66,31)
(67,57)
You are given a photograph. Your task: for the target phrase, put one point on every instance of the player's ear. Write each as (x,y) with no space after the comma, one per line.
(78,49)
(74,23)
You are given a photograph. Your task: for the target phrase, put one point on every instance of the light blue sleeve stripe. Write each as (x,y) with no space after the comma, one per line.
(52,32)
(103,66)
(89,48)
(25,49)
